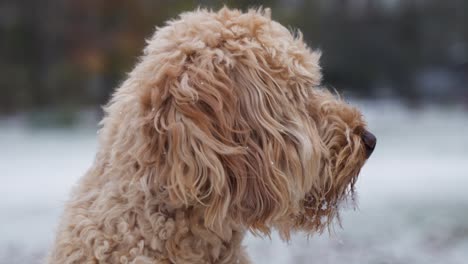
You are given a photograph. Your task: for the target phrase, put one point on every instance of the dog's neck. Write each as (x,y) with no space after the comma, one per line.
(185,238)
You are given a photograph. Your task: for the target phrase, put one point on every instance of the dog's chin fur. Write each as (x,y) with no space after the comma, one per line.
(220,129)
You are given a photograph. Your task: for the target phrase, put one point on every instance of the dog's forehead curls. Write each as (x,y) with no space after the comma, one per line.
(222,127)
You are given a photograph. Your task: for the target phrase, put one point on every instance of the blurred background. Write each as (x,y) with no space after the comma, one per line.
(403,62)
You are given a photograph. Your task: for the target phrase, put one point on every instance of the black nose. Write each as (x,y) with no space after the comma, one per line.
(369,141)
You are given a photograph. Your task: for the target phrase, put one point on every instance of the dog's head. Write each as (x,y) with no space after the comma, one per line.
(233,123)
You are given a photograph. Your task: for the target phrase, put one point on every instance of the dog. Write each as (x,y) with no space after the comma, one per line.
(222,128)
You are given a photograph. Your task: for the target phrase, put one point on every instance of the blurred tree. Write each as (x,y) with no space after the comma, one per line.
(73,53)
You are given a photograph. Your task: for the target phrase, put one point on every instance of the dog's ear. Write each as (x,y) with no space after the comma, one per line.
(218,147)
(283,147)
(228,139)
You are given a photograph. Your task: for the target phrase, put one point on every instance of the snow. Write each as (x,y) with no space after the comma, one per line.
(413,203)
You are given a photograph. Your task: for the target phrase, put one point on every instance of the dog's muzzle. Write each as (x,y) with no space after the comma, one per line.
(369,141)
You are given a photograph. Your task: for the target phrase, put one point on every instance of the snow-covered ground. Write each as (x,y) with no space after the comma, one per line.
(413,193)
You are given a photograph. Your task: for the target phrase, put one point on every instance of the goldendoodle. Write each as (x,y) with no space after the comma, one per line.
(221,129)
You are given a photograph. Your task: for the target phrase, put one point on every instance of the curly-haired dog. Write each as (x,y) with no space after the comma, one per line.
(220,129)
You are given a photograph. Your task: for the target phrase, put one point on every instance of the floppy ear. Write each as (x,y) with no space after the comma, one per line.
(206,153)
(282,161)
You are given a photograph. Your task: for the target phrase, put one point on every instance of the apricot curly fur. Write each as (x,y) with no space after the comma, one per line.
(220,129)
